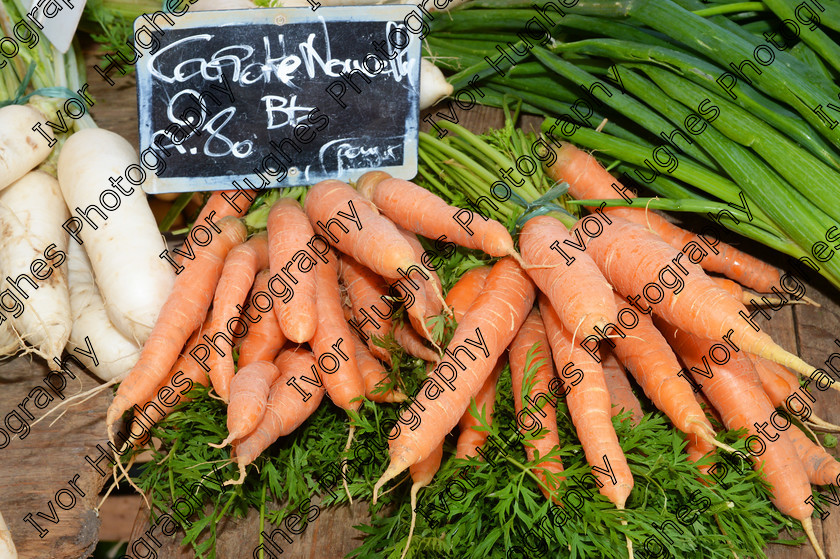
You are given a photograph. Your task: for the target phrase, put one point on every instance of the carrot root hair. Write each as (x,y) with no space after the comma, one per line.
(414,489)
(822,425)
(89,393)
(241,479)
(626,537)
(390,473)
(808,527)
(224,443)
(344,465)
(709,436)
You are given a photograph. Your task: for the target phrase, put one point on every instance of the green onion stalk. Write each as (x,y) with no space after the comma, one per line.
(640,82)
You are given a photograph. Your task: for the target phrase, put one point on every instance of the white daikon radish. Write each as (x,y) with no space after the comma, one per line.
(33,247)
(433,86)
(21,148)
(7,546)
(101,347)
(124,248)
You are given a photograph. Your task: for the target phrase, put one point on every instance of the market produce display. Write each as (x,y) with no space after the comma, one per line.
(514,353)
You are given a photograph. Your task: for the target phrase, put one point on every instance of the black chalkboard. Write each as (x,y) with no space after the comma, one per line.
(279,97)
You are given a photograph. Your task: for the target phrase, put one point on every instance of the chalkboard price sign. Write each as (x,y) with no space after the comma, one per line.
(278,97)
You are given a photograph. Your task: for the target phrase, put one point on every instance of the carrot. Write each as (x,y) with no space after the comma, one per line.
(466,290)
(248,398)
(334,346)
(413,344)
(589,408)
(470,437)
(587,179)
(432,287)
(374,376)
(422,473)
(748,297)
(820,466)
(735,390)
(353,225)
(645,352)
(697,448)
(185,372)
(241,265)
(415,208)
(183,312)
(621,393)
(576,288)
(777,387)
(779,384)
(372,309)
(286,409)
(333,343)
(217,207)
(289,231)
(531,340)
(264,338)
(635,260)
(485,331)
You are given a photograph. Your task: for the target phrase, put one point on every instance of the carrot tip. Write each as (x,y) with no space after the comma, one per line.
(224,443)
(241,479)
(414,489)
(389,474)
(808,527)
(823,425)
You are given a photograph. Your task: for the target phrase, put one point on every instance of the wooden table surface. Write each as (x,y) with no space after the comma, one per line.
(34,469)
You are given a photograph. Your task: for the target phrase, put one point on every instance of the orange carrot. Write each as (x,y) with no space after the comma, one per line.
(185,373)
(635,260)
(469,436)
(372,310)
(432,290)
(286,409)
(289,231)
(374,376)
(248,399)
(413,344)
(466,290)
(645,352)
(575,286)
(540,400)
(820,466)
(353,225)
(422,473)
(218,206)
(264,338)
(776,386)
(780,384)
(587,179)
(589,408)
(184,311)
(333,343)
(735,390)
(697,448)
(418,210)
(241,266)
(485,331)
(621,393)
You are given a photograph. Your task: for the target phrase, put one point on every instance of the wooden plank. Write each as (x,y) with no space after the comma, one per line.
(816,330)
(330,534)
(36,470)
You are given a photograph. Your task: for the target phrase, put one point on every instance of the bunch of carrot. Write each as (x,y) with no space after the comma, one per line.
(574,306)
(602,278)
